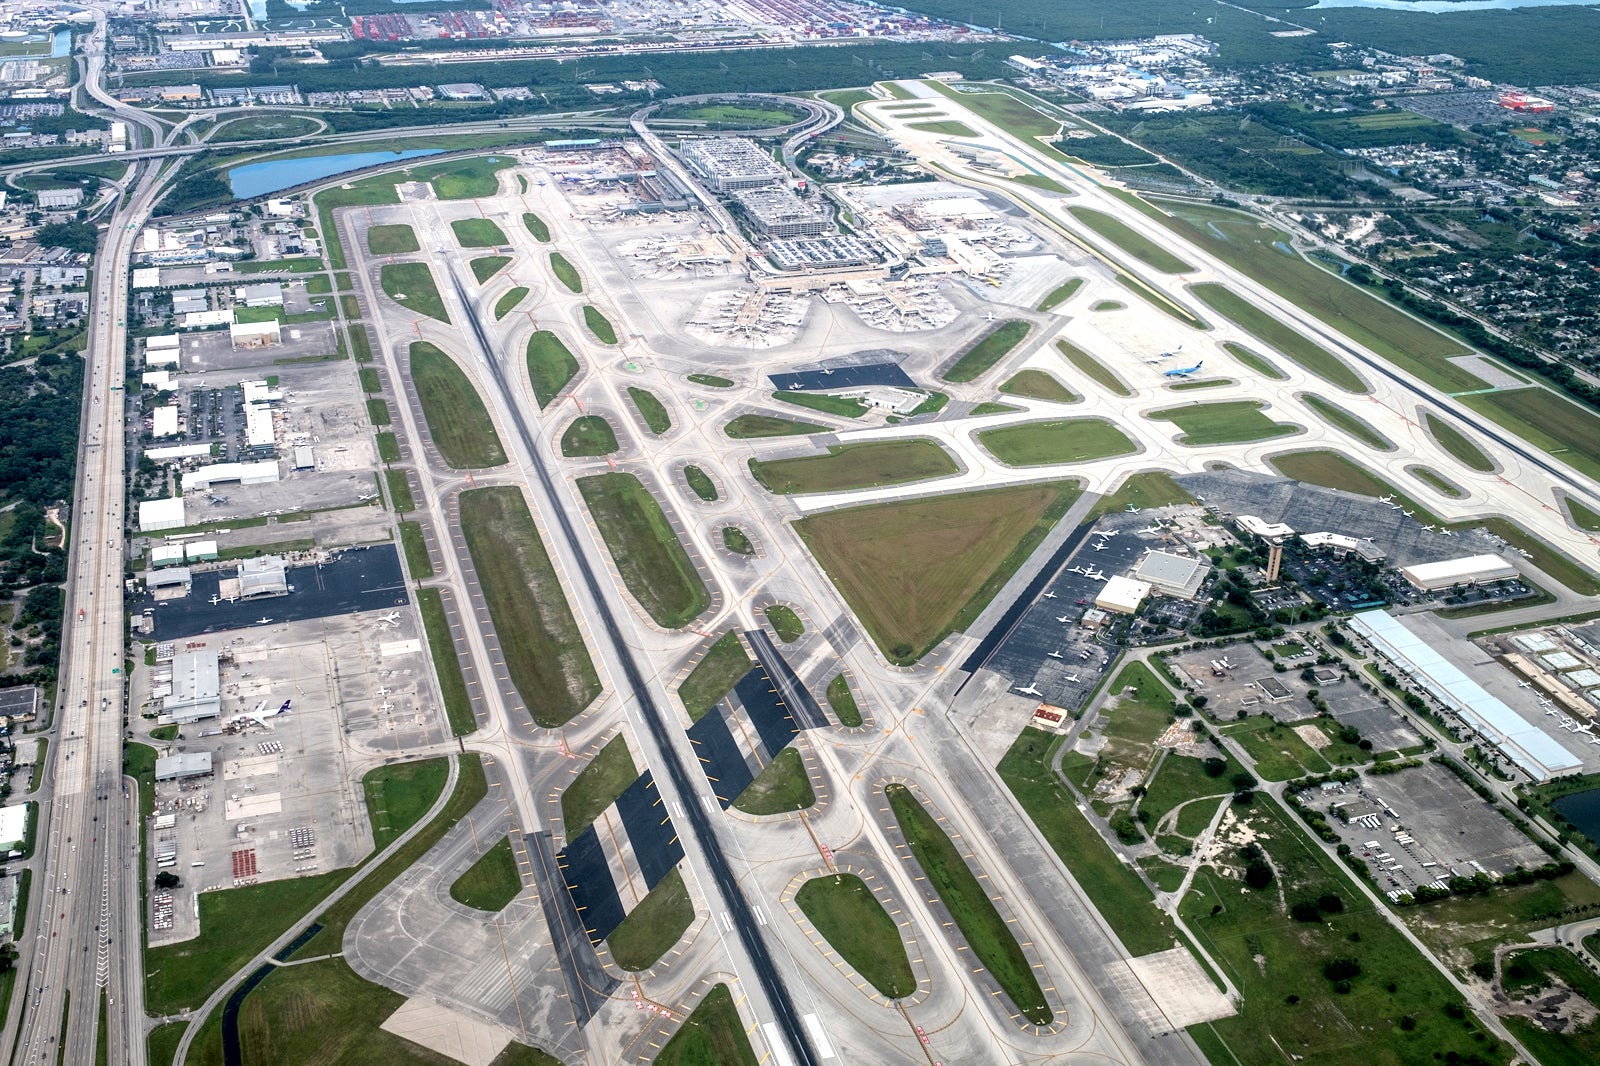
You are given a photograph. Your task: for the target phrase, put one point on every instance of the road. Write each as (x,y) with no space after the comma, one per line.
(85,925)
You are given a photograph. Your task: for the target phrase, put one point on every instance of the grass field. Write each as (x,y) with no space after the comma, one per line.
(1255,362)
(1455,442)
(1571,574)
(550,366)
(1062,441)
(464,179)
(457,420)
(1182,779)
(368,192)
(945,127)
(399,794)
(749,427)
(378,412)
(988,351)
(737,541)
(648,554)
(700,483)
(785,623)
(487,266)
(399,491)
(984,930)
(599,324)
(1093,368)
(1230,422)
(544,650)
(392,240)
(843,406)
(915,570)
(712,381)
(854,923)
(491,882)
(1283,339)
(1038,385)
(1121,898)
(1131,241)
(536,227)
(1352,424)
(478,233)
(712,1036)
(651,409)
(1291,1007)
(565,272)
(588,435)
(1583,517)
(1436,481)
(360,344)
(714,676)
(235,924)
(265,127)
(655,924)
(781,786)
(1277,750)
(1547,421)
(597,786)
(1203,383)
(843,702)
(508,303)
(1060,294)
(325,1012)
(446,666)
(1250,247)
(1530,972)
(411,286)
(855,466)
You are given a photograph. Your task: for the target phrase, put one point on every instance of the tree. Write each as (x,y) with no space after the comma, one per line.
(166,879)
(1258,874)
(1342,968)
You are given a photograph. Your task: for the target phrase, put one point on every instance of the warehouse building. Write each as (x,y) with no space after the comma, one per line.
(59,199)
(171,577)
(13,826)
(254,334)
(1469,571)
(260,473)
(266,576)
(728,164)
(263,294)
(1122,595)
(1175,575)
(196,687)
(155,515)
(166,555)
(183,766)
(1533,751)
(164,421)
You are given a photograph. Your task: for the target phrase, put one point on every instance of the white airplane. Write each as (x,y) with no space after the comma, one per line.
(1055,655)
(1102,546)
(368,498)
(1386,499)
(1183,371)
(1367,539)
(1156,531)
(1030,691)
(263,621)
(1524,684)
(1446,533)
(387,620)
(1427,529)
(1075,570)
(1096,575)
(989,317)
(1134,510)
(1545,701)
(1107,535)
(1406,513)
(215,600)
(827,373)
(260,715)
(1073,680)
(1049,595)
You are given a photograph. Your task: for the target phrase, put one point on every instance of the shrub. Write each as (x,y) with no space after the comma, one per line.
(1330,903)
(1258,874)
(1305,911)
(1216,767)
(1341,968)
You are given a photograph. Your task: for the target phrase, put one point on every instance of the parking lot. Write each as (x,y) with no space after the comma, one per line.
(1422,826)
(284,798)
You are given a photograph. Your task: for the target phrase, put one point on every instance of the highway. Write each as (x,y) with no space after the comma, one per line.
(83,935)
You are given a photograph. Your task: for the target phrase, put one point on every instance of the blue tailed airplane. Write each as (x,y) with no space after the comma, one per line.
(1183,371)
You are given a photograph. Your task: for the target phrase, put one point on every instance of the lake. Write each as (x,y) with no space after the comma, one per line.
(264,179)
(1582,809)
(61,44)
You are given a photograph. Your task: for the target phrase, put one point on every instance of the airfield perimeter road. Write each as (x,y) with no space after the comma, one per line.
(86,925)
